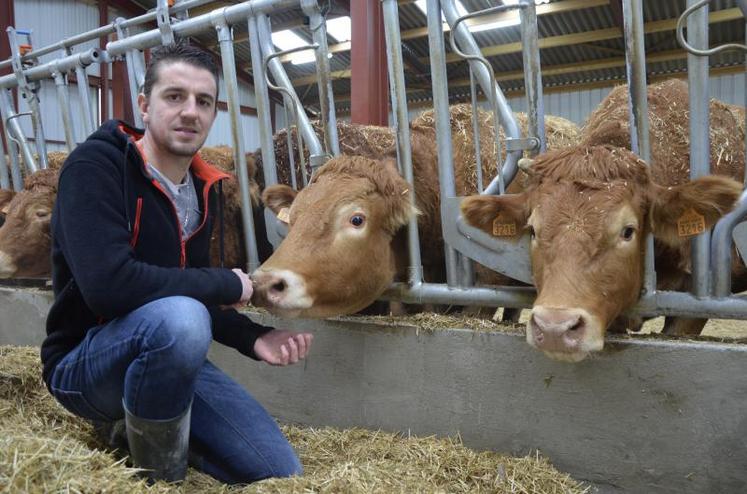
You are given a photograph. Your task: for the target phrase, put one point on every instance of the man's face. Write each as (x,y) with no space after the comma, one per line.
(181,108)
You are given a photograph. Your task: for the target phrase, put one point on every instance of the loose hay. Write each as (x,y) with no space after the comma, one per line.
(45,449)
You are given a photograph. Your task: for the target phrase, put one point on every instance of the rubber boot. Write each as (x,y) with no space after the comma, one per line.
(159,446)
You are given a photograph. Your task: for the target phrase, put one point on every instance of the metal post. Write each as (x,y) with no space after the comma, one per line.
(402,126)
(135,72)
(533,76)
(635,67)
(14,134)
(225,38)
(440,85)
(4,164)
(318,27)
(476,131)
(63,99)
(89,121)
(697,77)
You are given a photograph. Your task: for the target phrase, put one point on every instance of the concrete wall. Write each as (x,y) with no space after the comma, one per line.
(644,416)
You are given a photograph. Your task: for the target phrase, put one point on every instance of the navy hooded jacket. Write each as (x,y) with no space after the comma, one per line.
(116,245)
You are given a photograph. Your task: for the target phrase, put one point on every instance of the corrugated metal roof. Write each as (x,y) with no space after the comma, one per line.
(598,58)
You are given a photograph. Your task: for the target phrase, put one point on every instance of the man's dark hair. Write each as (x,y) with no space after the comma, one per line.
(179,52)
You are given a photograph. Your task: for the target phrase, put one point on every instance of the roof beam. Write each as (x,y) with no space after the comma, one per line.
(564,40)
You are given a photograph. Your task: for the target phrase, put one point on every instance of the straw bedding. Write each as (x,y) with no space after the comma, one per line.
(45,449)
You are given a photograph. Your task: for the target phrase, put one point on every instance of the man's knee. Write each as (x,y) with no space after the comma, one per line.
(184,325)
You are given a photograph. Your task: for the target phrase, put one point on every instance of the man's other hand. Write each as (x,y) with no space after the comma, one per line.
(281,347)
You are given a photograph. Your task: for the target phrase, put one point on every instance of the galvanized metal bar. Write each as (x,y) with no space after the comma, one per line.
(45,71)
(89,120)
(424,293)
(703,52)
(511,129)
(317,155)
(533,76)
(640,143)
(103,31)
(697,76)
(14,136)
(225,40)
(135,72)
(318,27)
(395,64)
(721,248)
(233,14)
(440,85)
(63,100)
(476,131)
(4,164)
(289,142)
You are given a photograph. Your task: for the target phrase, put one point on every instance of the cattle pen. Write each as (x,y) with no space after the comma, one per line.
(653,413)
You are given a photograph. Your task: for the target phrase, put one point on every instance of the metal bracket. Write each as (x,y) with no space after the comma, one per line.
(522,144)
(27,90)
(705,53)
(739,234)
(164,22)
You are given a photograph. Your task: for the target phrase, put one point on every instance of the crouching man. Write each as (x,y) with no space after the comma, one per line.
(136,304)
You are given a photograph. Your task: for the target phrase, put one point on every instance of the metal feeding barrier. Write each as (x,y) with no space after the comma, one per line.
(27,73)
(711,295)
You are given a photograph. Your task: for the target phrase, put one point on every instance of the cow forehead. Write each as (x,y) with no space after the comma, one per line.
(330,193)
(578,207)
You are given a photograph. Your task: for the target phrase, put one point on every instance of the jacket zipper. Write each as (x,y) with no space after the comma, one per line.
(136,228)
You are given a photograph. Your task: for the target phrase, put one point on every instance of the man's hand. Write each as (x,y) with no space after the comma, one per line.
(247,288)
(281,347)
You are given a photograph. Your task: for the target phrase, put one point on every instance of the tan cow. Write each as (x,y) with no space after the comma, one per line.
(588,210)
(346,241)
(5,198)
(24,237)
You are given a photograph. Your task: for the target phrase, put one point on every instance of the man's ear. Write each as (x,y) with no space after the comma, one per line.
(277,197)
(142,104)
(680,211)
(496,215)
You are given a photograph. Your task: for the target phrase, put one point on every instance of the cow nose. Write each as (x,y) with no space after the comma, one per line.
(269,286)
(280,289)
(557,329)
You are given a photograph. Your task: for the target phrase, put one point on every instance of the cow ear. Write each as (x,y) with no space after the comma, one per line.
(680,211)
(277,197)
(483,211)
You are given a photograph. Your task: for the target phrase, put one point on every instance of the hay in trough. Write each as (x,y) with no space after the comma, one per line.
(429,322)
(669,117)
(43,449)
(559,133)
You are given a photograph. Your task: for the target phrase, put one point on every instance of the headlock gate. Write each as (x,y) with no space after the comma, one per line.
(711,252)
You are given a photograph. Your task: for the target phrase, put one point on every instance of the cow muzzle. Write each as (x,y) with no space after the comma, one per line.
(280,291)
(569,335)
(7,266)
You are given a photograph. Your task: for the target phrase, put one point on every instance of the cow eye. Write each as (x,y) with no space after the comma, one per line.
(627,233)
(42,213)
(357,220)
(530,228)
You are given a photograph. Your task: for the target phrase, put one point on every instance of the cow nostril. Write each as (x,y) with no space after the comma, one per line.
(579,324)
(279,286)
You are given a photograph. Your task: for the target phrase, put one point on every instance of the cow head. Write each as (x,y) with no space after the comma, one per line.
(588,210)
(337,257)
(25,240)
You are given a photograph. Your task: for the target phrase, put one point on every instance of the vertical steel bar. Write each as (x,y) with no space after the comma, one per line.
(635,67)
(134,69)
(63,99)
(89,121)
(402,126)
(15,135)
(262,98)
(533,75)
(476,131)
(40,141)
(318,27)
(721,248)
(697,76)
(225,39)
(439,83)
(5,163)
(289,141)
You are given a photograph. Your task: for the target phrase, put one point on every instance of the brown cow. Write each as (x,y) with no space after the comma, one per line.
(346,241)
(24,237)
(5,198)
(589,208)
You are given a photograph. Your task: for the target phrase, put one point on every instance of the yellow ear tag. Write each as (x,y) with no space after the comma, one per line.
(284,216)
(690,223)
(504,227)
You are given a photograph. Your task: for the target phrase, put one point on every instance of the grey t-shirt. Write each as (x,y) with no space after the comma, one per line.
(184,197)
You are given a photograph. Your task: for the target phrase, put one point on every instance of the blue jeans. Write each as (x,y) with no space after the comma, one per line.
(155,359)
